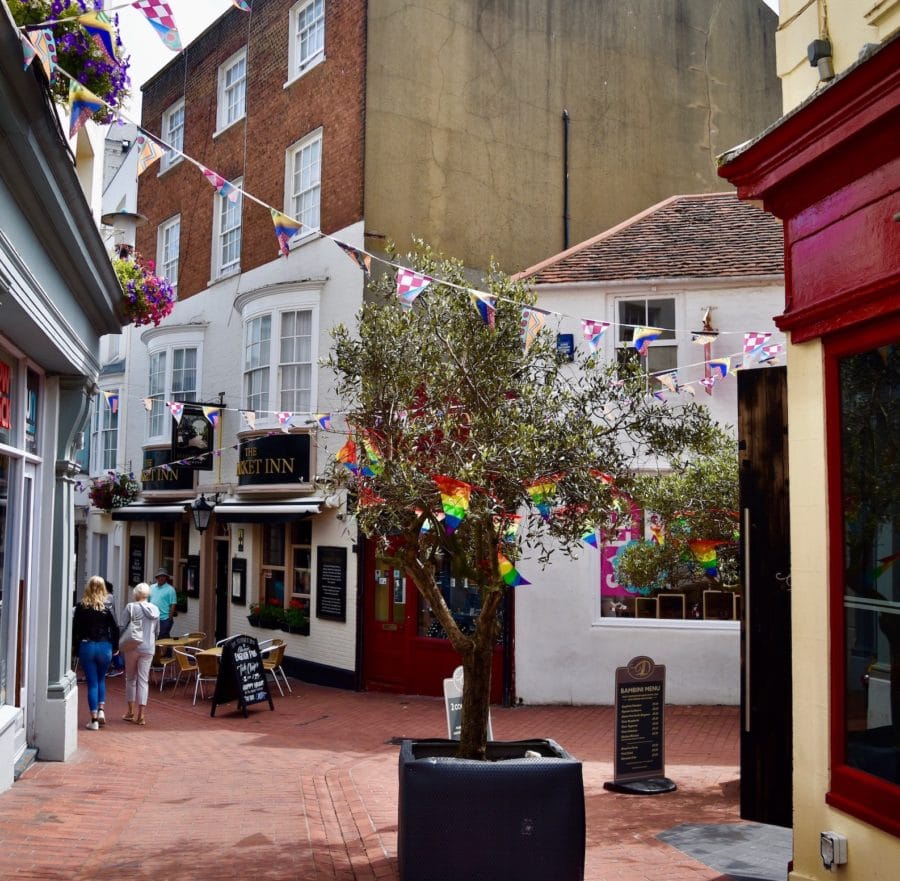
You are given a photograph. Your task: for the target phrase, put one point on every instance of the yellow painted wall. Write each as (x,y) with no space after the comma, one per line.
(849,24)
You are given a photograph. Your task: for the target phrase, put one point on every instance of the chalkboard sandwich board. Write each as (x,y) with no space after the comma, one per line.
(242,677)
(639,766)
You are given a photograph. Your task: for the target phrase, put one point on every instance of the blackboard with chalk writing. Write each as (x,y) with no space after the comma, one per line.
(242,677)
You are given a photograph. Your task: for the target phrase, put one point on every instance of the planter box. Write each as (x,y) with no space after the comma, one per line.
(510,818)
(300,630)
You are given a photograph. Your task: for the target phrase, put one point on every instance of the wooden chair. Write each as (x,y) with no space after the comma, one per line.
(163,658)
(207,671)
(196,637)
(272,657)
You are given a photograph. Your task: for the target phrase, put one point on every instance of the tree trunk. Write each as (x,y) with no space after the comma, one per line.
(476,700)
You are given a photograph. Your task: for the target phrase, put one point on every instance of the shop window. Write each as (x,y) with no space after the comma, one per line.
(174,542)
(863,389)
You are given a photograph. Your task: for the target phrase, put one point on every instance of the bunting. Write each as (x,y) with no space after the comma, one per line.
(771,352)
(643,336)
(367,498)
(532,322)
(213,414)
(148,404)
(346,455)
(101,31)
(374,464)
(360,258)
(510,575)
(176,408)
(243,5)
(28,51)
(159,15)
(454,499)
(704,552)
(754,342)
(507,526)
(708,382)
(45,45)
(324,420)
(589,536)
(112,401)
(593,332)
(720,365)
(285,229)
(148,152)
(83,103)
(703,339)
(284,419)
(249,416)
(224,188)
(541,492)
(669,381)
(486,306)
(409,285)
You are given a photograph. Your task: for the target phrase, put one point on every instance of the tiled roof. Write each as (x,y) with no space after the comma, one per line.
(708,235)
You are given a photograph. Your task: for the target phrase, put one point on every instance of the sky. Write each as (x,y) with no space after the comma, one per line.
(148,54)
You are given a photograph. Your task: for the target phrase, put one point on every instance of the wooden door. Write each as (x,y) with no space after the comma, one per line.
(766,717)
(387,623)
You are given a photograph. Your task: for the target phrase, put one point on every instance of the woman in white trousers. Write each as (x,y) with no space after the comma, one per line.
(139,656)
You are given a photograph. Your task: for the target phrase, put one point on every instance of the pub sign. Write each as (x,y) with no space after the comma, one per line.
(281,458)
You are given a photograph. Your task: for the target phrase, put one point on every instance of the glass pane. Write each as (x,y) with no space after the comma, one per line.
(273,544)
(661,313)
(301,571)
(631,312)
(870,474)
(662,358)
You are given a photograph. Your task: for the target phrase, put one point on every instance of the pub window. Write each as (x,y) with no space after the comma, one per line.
(174,542)
(863,389)
(286,571)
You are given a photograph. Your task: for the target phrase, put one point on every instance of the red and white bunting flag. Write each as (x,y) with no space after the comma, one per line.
(409,285)
(176,408)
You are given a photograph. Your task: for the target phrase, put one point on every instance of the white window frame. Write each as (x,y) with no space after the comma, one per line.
(168,249)
(624,335)
(302,26)
(173,135)
(224,117)
(258,305)
(304,201)
(223,209)
(104,435)
(165,343)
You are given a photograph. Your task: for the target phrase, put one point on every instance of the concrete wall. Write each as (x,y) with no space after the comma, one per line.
(464,103)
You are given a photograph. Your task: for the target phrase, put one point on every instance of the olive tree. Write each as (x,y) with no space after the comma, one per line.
(438,390)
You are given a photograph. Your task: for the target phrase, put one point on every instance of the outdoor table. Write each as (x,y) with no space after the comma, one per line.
(172,641)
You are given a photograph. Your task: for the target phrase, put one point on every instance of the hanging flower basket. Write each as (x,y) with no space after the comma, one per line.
(77,53)
(113,491)
(147,298)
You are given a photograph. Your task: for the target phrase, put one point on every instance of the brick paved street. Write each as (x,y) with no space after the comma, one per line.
(309,791)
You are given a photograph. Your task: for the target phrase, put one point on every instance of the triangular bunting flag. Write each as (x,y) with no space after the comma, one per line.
(45,45)
(148,152)
(643,336)
(754,342)
(486,306)
(360,258)
(540,493)
(374,464)
(83,104)
(176,409)
(223,187)
(668,380)
(159,15)
(589,537)
(509,573)
(771,352)
(593,332)
(284,419)
(101,30)
(409,285)
(28,51)
(346,455)
(324,420)
(454,499)
(213,414)
(705,554)
(708,382)
(112,401)
(532,322)
(720,366)
(243,5)
(148,404)
(703,339)
(249,416)
(285,229)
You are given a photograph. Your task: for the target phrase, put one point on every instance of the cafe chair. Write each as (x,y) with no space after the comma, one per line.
(227,639)
(207,671)
(272,657)
(163,658)
(187,664)
(196,637)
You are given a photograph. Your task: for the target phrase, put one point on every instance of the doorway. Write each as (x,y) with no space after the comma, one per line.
(221,587)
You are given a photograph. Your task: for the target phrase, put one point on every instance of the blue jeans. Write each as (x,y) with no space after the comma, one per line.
(94,658)
(165,627)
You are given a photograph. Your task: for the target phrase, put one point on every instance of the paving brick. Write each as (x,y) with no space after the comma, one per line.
(309,791)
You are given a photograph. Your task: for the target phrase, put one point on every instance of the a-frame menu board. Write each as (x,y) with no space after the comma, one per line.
(242,677)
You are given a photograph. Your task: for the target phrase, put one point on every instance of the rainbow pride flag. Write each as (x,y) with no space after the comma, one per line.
(510,575)
(455,500)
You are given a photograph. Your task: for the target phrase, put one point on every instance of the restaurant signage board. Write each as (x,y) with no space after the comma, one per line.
(242,677)
(331,583)
(277,458)
(194,437)
(135,559)
(157,472)
(639,763)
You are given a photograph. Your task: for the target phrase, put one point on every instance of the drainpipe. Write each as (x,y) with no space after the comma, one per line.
(565,119)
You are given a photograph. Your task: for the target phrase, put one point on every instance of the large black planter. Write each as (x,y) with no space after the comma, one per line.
(510,818)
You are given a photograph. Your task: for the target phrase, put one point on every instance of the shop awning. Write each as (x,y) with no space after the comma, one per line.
(267,512)
(158,513)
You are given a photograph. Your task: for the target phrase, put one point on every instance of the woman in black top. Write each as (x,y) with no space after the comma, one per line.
(96,635)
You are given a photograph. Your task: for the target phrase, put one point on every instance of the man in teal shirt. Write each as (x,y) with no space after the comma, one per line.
(163,596)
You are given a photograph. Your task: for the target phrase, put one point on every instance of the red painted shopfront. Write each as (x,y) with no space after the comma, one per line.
(831,171)
(404,650)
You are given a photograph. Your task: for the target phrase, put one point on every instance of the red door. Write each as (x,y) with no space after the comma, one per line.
(385,655)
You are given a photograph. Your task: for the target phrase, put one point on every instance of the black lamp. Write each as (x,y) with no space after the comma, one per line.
(201,511)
